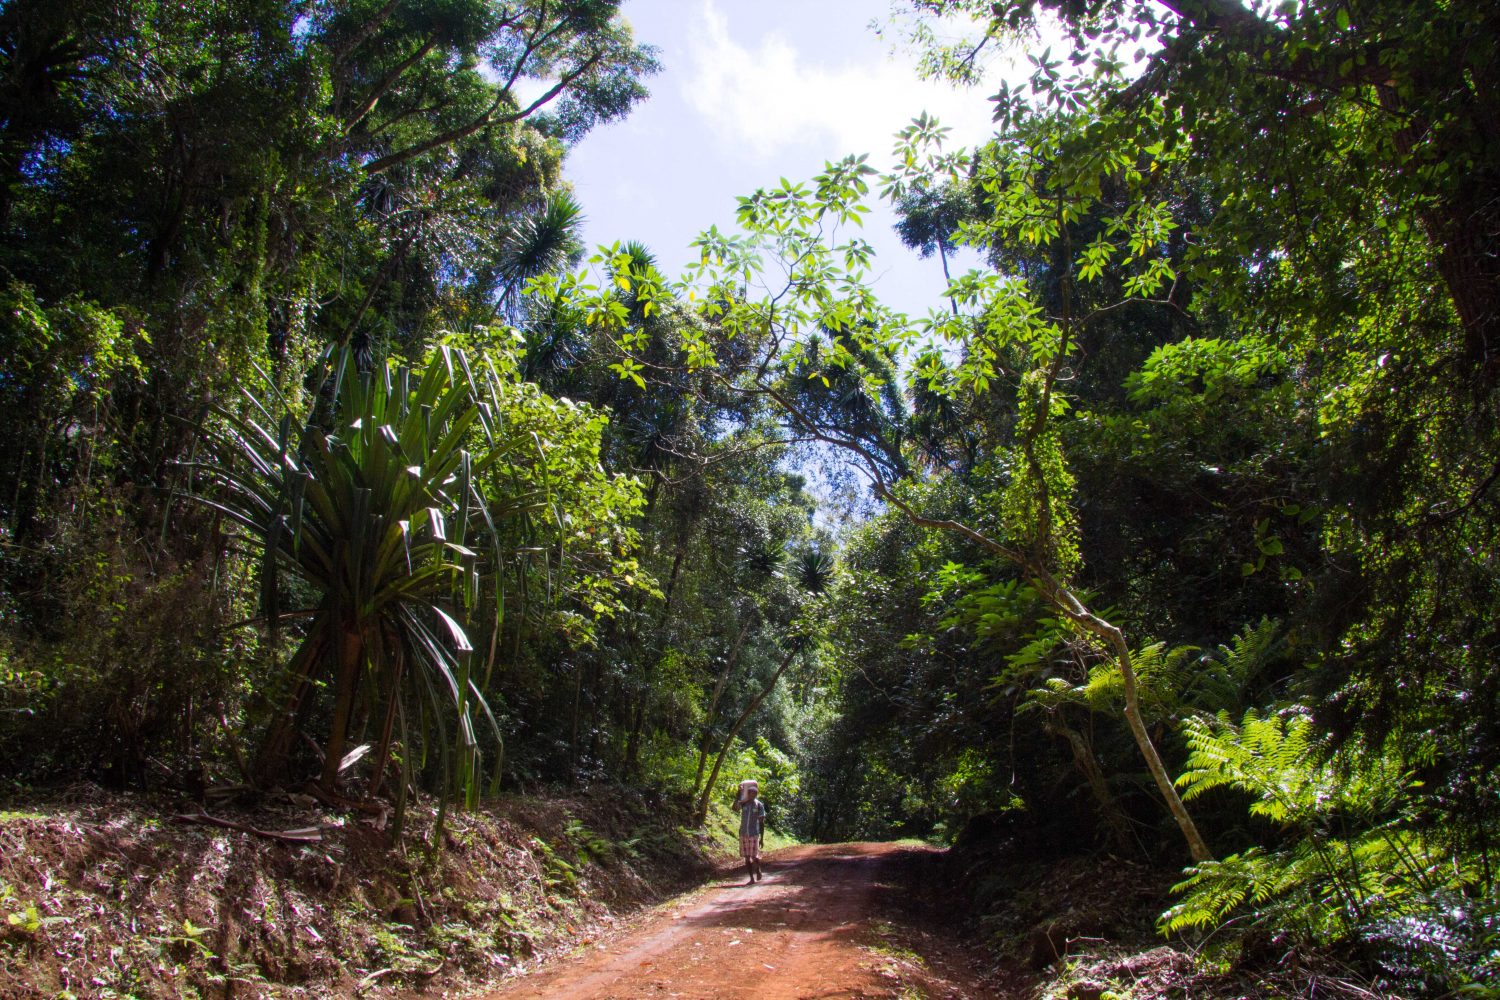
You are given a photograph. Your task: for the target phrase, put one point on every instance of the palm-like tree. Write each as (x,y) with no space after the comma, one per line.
(929,218)
(536,243)
(378,512)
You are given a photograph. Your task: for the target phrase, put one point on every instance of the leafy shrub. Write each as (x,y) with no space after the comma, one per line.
(144,684)
(1448,946)
(972,787)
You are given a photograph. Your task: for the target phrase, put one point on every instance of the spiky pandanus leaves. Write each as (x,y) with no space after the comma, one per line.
(542,242)
(814,570)
(378,511)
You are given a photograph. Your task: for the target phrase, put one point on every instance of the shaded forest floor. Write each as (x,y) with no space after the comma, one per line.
(572,897)
(1083,927)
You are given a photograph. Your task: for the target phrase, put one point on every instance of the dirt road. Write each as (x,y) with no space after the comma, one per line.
(832,921)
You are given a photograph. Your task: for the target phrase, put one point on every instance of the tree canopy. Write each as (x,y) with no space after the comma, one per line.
(1181,504)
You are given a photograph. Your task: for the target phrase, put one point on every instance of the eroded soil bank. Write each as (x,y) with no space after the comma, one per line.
(113,896)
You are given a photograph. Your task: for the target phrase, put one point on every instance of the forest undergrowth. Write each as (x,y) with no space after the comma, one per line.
(123,895)
(111,895)
(1085,927)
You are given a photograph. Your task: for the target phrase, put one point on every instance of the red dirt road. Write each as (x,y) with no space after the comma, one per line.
(831,921)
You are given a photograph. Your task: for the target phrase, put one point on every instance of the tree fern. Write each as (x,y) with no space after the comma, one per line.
(1268,757)
(1174,680)
(1278,760)
(1350,851)
(1217,681)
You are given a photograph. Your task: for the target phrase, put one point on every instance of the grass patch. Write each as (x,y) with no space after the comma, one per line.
(9,815)
(723,828)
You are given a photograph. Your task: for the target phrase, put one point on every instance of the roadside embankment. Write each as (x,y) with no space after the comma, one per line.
(107,895)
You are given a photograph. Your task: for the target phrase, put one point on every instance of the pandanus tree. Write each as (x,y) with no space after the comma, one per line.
(374,506)
(543,241)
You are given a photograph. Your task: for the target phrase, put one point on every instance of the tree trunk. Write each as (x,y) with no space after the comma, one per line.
(943,257)
(577,717)
(633,738)
(700,816)
(671,590)
(1462,226)
(1469,260)
(351,656)
(271,762)
(713,702)
(1075,610)
(383,750)
(1083,756)
(1065,601)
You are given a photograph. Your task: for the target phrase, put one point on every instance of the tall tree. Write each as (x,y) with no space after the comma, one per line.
(1338,102)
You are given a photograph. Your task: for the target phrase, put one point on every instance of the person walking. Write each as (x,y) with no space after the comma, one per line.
(752,826)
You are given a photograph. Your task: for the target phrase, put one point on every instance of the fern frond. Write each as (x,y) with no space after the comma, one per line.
(1213,890)
(1247,652)
(1216,681)
(1271,757)
(1320,886)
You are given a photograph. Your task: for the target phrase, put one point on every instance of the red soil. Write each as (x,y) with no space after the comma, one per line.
(831,921)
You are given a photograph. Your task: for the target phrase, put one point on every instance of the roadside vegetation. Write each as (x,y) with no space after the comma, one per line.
(341,480)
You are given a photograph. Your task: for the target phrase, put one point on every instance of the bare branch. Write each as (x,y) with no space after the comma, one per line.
(389,81)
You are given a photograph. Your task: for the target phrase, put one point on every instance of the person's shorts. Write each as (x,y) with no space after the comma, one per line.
(750,847)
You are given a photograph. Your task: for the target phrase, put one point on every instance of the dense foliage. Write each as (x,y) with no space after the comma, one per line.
(1184,524)
(1215,432)
(298,485)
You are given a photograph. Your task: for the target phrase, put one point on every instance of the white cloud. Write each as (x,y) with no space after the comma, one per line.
(764,99)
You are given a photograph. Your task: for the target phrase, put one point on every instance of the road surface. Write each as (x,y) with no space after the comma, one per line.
(828,921)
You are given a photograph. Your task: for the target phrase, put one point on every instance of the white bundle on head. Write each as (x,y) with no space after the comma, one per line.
(746,786)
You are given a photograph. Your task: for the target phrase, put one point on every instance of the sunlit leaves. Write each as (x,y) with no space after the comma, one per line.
(421,493)
(1206,368)
(631,369)
(921,161)
(1359,853)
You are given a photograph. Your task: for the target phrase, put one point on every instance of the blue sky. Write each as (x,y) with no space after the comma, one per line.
(751,91)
